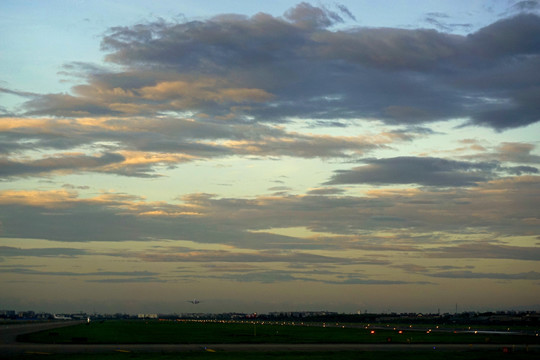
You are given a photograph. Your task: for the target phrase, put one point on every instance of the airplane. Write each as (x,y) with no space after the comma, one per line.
(194,301)
(61,317)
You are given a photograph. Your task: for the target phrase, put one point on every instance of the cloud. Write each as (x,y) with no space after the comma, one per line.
(500,207)
(483,250)
(326,191)
(26,271)
(67,163)
(440,22)
(43,199)
(25,94)
(426,171)
(360,281)
(283,276)
(511,153)
(267,256)
(531,275)
(266,69)
(315,276)
(145,279)
(265,277)
(345,11)
(517,152)
(42,252)
(308,16)
(142,146)
(458,272)
(524,6)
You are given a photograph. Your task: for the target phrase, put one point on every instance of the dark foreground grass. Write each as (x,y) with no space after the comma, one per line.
(170,332)
(322,355)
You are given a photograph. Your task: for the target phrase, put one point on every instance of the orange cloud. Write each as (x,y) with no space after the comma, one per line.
(47,199)
(204,89)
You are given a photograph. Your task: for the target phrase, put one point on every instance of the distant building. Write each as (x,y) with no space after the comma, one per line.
(27,314)
(7,313)
(147,316)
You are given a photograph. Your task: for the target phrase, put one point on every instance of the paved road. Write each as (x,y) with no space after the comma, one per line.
(15,349)
(9,332)
(9,347)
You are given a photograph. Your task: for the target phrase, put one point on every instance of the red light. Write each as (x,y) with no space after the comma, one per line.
(372,332)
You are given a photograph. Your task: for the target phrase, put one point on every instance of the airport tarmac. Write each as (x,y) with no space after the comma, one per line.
(10,331)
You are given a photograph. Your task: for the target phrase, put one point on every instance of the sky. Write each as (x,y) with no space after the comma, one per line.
(267,156)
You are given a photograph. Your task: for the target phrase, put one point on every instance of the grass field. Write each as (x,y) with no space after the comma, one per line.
(190,332)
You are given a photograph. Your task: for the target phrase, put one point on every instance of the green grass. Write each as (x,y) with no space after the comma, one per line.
(170,332)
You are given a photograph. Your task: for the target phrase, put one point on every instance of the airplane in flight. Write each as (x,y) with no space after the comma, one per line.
(194,301)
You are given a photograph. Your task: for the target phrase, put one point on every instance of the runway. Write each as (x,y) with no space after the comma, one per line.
(10,331)
(9,347)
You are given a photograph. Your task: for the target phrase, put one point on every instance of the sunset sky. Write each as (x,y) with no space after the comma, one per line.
(269,155)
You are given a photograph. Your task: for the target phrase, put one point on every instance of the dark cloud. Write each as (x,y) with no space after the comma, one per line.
(84,222)
(10,168)
(326,191)
(503,207)
(506,38)
(172,141)
(519,170)
(293,257)
(25,94)
(458,272)
(531,275)
(439,15)
(281,276)
(145,279)
(522,7)
(512,152)
(426,171)
(309,16)
(66,105)
(527,5)
(271,69)
(264,277)
(42,252)
(483,250)
(440,22)
(73,187)
(26,271)
(275,276)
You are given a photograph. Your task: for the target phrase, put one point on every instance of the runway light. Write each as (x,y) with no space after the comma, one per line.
(372,332)
(400,332)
